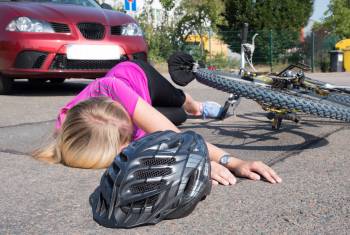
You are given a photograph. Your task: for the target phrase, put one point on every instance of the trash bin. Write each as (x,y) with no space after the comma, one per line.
(336,61)
(347,59)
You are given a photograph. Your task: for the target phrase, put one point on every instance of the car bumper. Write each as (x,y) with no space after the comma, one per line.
(39,56)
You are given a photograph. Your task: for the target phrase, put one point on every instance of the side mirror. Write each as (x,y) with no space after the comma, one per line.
(106,6)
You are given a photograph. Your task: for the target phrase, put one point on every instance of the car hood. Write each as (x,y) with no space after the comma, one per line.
(66,13)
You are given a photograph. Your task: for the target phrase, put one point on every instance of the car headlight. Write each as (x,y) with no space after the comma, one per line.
(26,24)
(131,29)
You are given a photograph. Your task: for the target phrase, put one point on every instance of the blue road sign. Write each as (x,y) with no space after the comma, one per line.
(130,5)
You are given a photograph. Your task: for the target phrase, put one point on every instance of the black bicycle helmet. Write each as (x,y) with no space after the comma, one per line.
(161,176)
(180,67)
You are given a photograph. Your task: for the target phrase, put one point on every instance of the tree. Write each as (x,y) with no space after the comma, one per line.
(160,38)
(188,17)
(271,19)
(337,18)
(267,14)
(168,4)
(198,17)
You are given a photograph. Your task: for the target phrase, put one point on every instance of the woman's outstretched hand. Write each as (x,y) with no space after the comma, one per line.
(249,169)
(254,170)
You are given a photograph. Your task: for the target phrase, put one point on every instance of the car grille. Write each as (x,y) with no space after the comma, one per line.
(30,59)
(116,30)
(39,61)
(62,63)
(60,28)
(93,31)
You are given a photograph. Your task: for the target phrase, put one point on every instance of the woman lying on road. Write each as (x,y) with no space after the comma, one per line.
(91,131)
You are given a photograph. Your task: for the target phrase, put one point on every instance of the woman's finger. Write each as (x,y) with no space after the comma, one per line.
(214,182)
(222,173)
(227,175)
(219,179)
(265,171)
(274,175)
(253,176)
(266,174)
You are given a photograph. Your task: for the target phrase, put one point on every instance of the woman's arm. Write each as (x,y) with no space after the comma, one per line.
(150,120)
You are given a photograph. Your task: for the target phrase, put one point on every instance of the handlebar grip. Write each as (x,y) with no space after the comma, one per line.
(245,33)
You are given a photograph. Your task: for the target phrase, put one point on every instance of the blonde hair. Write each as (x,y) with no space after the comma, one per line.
(91,135)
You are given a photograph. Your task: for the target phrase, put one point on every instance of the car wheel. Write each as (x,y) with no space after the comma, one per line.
(6,85)
(57,80)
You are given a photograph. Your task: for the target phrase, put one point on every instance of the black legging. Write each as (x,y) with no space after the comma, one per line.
(164,96)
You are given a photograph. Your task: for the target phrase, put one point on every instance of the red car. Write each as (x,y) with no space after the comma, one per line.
(53,40)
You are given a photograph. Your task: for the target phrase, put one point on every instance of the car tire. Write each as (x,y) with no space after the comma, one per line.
(6,85)
(57,80)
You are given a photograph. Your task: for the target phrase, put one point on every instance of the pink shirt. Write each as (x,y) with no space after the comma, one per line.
(125,83)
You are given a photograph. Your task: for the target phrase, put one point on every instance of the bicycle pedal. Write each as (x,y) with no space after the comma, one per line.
(224,111)
(233,102)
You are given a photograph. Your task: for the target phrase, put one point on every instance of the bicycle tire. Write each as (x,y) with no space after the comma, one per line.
(335,96)
(339,98)
(273,98)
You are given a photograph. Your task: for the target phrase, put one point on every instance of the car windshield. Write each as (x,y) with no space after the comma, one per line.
(85,3)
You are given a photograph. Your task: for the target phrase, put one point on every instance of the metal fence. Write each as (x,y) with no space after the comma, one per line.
(275,49)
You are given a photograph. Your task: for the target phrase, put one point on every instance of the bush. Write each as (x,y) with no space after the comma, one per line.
(220,61)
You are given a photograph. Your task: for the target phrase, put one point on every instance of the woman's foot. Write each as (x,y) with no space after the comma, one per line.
(211,109)
(192,107)
(207,109)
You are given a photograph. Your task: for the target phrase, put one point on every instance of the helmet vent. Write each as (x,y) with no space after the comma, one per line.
(149,173)
(152,200)
(145,202)
(138,204)
(103,208)
(123,157)
(110,180)
(112,173)
(115,167)
(158,161)
(146,187)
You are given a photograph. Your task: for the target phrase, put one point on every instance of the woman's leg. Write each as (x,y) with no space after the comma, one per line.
(192,106)
(167,99)
(164,94)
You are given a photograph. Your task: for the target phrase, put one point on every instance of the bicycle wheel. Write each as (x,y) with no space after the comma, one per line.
(273,98)
(335,95)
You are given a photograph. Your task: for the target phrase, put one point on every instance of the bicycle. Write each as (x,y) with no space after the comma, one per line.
(282,95)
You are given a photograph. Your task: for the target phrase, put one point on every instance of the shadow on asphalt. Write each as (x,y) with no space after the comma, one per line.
(68,88)
(246,132)
(252,135)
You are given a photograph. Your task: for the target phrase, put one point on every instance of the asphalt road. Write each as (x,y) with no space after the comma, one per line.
(312,158)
